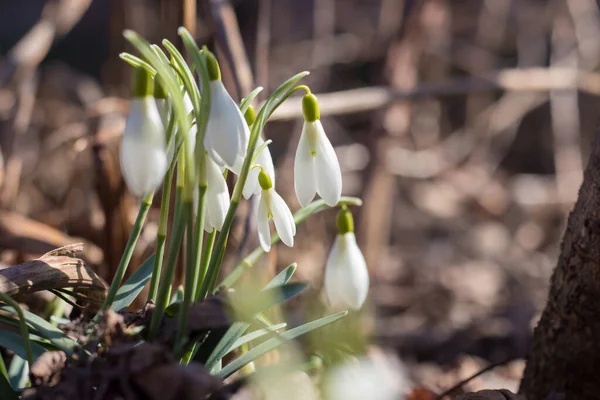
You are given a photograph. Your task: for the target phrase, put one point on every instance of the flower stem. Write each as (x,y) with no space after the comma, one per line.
(195,238)
(164,287)
(161,236)
(208,248)
(128,252)
(22,326)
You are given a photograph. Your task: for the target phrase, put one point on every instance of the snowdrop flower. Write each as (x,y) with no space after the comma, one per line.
(143,153)
(316,167)
(346,275)
(263,158)
(272,206)
(217,197)
(227,132)
(364,378)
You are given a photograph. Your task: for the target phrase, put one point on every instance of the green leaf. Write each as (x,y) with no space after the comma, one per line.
(272,344)
(128,292)
(18,372)
(137,63)
(283,277)
(235,331)
(248,99)
(14,342)
(6,391)
(255,335)
(250,304)
(46,330)
(299,217)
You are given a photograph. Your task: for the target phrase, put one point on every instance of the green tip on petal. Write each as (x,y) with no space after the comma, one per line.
(250,115)
(345,221)
(264,180)
(142,83)
(310,108)
(159,90)
(214,71)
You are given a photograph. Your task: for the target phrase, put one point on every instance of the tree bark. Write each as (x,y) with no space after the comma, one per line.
(564,361)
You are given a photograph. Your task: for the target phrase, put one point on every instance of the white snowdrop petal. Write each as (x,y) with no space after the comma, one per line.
(282,216)
(143,155)
(305,181)
(227,133)
(346,274)
(328,172)
(262,223)
(143,165)
(264,158)
(252,186)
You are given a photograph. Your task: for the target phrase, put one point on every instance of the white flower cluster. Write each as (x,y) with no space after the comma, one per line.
(145,158)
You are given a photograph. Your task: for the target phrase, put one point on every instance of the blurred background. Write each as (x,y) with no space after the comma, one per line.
(463,124)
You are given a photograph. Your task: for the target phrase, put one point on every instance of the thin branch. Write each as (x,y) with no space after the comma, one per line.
(517,80)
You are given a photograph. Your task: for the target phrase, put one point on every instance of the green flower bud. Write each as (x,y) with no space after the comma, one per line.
(214,71)
(264,180)
(142,83)
(250,116)
(159,89)
(310,108)
(345,221)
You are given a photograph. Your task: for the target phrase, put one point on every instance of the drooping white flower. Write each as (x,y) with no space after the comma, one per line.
(217,197)
(365,378)
(227,132)
(346,274)
(272,206)
(316,167)
(143,153)
(264,159)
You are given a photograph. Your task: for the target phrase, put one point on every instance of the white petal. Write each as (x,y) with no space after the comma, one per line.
(346,274)
(143,154)
(305,180)
(282,216)
(217,201)
(262,223)
(328,172)
(252,186)
(264,158)
(227,133)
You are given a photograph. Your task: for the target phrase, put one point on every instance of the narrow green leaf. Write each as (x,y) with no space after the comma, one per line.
(235,331)
(250,304)
(46,330)
(273,343)
(283,277)
(137,63)
(255,335)
(133,286)
(248,99)
(14,342)
(18,372)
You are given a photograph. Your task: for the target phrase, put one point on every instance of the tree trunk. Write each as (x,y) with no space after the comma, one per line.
(564,361)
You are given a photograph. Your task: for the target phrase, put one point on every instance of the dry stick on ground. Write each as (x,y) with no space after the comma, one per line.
(565,356)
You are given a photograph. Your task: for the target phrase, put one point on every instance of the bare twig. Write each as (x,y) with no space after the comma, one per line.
(516,79)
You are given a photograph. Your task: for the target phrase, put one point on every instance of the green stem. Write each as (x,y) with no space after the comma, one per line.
(208,248)
(128,252)
(161,236)
(164,287)
(3,370)
(22,326)
(194,246)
